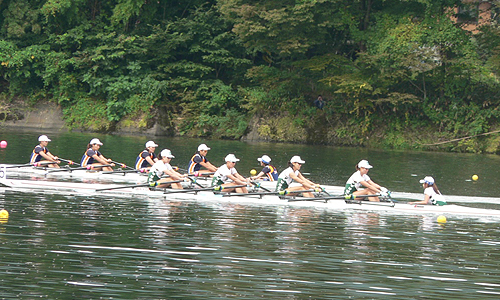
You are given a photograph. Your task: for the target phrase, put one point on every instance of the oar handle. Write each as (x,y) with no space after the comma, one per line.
(122,165)
(42,163)
(176,168)
(156,183)
(258,185)
(200,174)
(285,192)
(220,188)
(70,162)
(193,180)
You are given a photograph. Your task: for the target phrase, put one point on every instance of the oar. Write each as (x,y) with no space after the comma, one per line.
(65,168)
(217,188)
(351,199)
(258,185)
(202,174)
(121,171)
(193,180)
(122,165)
(220,188)
(382,198)
(250,194)
(324,191)
(347,198)
(382,203)
(89,167)
(68,169)
(68,161)
(189,190)
(19,166)
(285,192)
(126,187)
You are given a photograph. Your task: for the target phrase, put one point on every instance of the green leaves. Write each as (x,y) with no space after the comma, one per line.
(210,66)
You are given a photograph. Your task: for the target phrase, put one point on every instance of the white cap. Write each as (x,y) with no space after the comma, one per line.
(265,159)
(296,159)
(151,144)
(203,147)
(95,141)
(43,138)
(231,158)
(427,179)
(166,153)
(364,164)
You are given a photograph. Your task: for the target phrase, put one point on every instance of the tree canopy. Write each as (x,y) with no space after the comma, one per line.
(209,66)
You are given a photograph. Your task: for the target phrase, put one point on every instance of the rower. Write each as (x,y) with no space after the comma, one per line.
(227,176)
(292,173)
(41,151)
(199,160)
(432,195)
(269,172)
(93,158)
(361,184)
(147,157)
(163,167)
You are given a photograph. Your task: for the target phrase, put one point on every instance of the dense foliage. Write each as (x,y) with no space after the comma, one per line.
(206,67)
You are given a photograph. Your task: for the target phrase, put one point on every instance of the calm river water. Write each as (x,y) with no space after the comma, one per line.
(56,246)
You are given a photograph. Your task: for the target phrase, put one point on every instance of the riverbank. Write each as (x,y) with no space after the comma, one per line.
(319,128)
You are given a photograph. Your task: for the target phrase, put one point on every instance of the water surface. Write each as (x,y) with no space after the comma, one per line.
(90,247)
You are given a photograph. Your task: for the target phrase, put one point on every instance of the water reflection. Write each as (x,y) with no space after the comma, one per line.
(97,247)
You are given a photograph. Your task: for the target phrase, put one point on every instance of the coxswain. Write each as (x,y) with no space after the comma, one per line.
(432,195)
(292,174)
(269,172)
(94,159)
(227,176)
(147,158)
(161,168)
(41,155)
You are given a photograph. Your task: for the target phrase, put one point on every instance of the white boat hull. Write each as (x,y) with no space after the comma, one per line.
(114,190)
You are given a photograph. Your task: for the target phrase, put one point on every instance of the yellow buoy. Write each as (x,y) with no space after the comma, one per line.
(475,177)
(253,172)
(4,216)
(441,219)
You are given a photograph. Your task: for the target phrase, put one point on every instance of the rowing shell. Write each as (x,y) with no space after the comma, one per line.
(97,189)
(63,173)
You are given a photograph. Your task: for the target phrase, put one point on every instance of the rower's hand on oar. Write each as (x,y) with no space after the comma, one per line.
(317,188)
(384,192)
